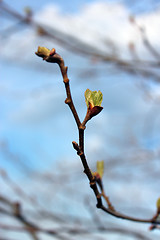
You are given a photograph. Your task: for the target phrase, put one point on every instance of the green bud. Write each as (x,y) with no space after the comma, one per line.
(93,101)
(43,52)
(93,98)
(158,204)
(100,168)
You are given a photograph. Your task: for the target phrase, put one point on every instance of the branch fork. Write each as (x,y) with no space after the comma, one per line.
(93,102)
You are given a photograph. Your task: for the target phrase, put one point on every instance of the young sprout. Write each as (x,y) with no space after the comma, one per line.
(93,101)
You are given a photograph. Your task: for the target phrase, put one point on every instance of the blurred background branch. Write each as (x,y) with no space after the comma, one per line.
(113,48)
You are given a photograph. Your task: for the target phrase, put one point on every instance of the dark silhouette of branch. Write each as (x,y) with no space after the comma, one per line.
(145,68)
(53,57)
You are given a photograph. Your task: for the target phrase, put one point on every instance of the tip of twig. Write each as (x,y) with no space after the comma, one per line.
(52,52)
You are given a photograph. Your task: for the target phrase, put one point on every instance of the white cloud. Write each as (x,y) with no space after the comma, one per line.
(93,24)
(94,143)
(103,25)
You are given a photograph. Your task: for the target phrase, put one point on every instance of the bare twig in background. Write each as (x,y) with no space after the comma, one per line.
(145,68)
(139,67)
(56,232)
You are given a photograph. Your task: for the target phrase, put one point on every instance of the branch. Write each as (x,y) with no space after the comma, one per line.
(17,213)
(53,57)
(79,231)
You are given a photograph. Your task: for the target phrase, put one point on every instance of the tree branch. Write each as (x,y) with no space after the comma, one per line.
(53,57)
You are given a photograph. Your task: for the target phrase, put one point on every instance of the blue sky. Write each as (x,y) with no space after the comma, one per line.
(71,6)
(135,7)
(28,101)
(37,128)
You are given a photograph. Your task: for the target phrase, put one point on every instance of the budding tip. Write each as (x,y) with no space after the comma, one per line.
(52,52)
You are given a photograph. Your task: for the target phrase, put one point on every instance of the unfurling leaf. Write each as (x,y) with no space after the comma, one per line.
(93,98)
(87,97)
(100,168)
(158,205)
(93,101)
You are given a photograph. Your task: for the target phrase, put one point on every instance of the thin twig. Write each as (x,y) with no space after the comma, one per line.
(56,58)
